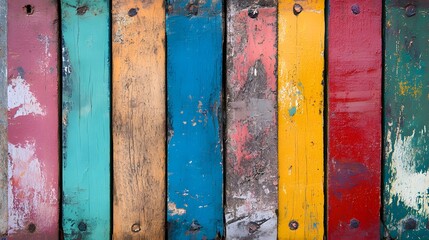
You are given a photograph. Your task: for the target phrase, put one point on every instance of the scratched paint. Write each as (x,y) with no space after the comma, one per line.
(354,119)
(194,86)
(251,145)
(86,119)
(3,118)
(33,197)
(406,178)
(301,160)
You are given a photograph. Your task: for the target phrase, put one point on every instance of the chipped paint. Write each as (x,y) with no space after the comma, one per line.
(173,210)
(21,100)
(251,145)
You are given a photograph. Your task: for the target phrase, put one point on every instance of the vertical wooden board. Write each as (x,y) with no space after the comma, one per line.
(3,118)
(301,162)
(354,119)
(139,119)
(33,136)
(251,146)
(86,119)
(194,87)
(406,178)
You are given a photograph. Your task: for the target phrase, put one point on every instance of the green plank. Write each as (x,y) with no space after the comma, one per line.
(406,113)
(86,118)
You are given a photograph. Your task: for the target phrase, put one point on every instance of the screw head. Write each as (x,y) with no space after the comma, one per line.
(253,11)
(32,227)
(410,224)
(297,8)
(354,223)
(293,225)
(355,9)
(133,11)
(135,227)
(410,10)
(82,226)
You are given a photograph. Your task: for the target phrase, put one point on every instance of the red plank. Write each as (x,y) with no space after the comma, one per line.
(354,124)
(33,119)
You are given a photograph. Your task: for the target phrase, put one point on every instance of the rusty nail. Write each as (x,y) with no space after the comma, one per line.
(410,10)
(135,227)
(410,224)
(297,9)
(31,227)
(81,10)
(82,226)
(132,12)
(28,9)
(192,9)
(354,223)
(293,225)
(253,12)
(355,9)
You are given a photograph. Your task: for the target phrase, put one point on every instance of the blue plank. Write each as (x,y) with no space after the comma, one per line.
(86,119)
(194,86)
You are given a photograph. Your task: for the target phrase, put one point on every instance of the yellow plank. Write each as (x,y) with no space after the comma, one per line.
(138,119)
(301,45)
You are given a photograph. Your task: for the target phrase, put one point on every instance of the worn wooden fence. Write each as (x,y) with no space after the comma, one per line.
(194,119)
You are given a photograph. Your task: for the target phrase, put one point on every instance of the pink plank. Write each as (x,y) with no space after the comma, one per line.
(33,119)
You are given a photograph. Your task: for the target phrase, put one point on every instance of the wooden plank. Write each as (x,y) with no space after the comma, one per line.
(85,119)
(194,87)
(3,118)
(33,135)
(354,119)
(251,146)
(300,100)
(139,129)
(406,177)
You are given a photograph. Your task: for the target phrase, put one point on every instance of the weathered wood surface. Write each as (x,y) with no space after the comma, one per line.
(85,119)
(251,147)
(3,118)
(300,100)
(194,73)
(354,119)
(406,104)
(33,136)
(138,119)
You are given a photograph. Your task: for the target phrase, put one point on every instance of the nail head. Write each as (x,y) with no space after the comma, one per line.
(135,227)
(355,9)
(297,8)
(293,225)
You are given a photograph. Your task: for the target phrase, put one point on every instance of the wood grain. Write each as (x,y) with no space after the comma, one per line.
(251,145)
(354,119)
(3,118)
(194,86)
(33,132)
(85,119)
(406,104)
(301,160)
(139,129)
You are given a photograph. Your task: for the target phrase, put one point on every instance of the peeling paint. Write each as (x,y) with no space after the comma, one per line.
(20,97)
(173,210)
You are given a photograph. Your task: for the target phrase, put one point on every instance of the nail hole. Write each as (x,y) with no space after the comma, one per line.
(253,12)
(410,10)
(293,225)
(132,12)
(31,227)
(410,224)
(192,9)
(355,9)
(82,226)
(297,9)
(29,9)
(135,227)
(354,223)
(81,10)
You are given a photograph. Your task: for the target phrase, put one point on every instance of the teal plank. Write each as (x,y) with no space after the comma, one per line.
(406,105)
(3,118)
(194,86)
(86,118)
